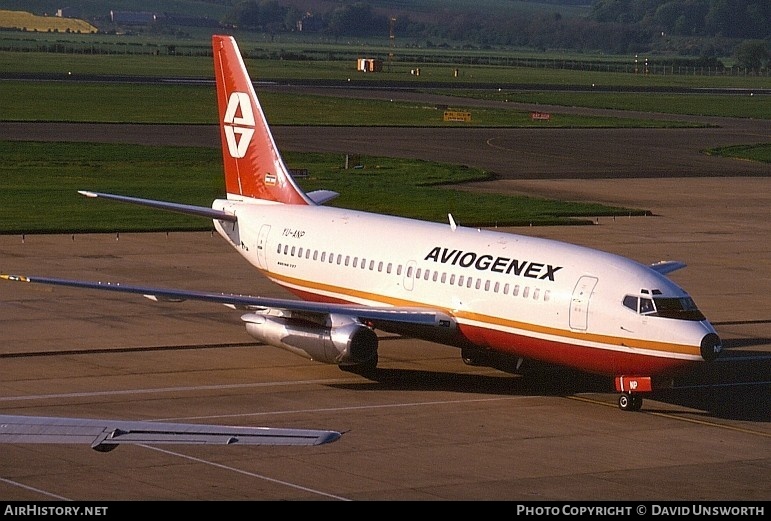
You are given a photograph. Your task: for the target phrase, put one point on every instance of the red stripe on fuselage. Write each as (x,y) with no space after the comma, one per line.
(608,362)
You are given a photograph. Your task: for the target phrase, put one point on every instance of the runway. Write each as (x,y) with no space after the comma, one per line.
(429,427)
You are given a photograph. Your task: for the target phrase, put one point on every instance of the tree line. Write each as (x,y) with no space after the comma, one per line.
(701,28)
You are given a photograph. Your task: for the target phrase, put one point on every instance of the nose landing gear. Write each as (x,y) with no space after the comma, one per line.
(630,387)
(630,402)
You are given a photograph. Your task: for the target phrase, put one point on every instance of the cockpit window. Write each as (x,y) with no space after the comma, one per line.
(682,308)
(631,302)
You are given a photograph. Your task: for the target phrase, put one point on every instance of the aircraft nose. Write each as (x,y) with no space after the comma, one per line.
(711,346)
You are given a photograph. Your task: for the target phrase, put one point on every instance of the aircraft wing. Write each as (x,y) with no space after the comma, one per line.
(393,315)
(105,435)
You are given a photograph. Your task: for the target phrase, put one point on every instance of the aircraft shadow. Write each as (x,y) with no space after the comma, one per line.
(737,386)
(738,389)
(557,382)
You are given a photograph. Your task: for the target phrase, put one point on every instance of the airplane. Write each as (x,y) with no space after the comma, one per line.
(106,435)
(488,293)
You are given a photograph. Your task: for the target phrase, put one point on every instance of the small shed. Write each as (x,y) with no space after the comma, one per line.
(369,65)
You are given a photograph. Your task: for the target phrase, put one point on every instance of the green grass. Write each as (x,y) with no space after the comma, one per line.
(758,152)
(39,181)
(745,105)
(39,184)
(312,60)
(141,103)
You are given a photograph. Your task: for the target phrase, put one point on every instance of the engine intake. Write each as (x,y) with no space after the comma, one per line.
(344,342)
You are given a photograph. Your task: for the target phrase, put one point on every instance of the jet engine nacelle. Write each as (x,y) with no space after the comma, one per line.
(344,342)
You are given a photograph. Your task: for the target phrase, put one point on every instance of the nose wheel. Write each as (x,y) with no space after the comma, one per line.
(629,402)
(630,388)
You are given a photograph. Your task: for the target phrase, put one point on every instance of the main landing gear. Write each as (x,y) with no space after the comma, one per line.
(367,369)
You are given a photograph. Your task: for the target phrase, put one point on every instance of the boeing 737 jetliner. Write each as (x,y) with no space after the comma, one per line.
(487,293)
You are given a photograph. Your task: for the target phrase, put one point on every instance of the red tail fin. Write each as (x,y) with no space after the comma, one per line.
(253,165)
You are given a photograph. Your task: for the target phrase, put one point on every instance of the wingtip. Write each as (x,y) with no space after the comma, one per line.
(87,193)
(16,278)
(329,437)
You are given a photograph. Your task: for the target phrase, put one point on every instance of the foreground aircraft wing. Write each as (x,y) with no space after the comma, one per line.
(105,435)
(412,316)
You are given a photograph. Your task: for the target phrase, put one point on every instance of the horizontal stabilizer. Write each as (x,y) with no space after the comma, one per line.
(105,435)
(201,211)
(665,267)
(322,196)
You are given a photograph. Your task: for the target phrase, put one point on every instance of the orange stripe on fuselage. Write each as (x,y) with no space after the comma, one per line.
(489,331)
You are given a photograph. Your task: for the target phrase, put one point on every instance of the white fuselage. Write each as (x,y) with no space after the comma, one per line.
(529,297)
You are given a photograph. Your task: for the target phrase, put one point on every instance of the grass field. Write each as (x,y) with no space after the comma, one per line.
(280,62)
(25,21)
(37,176)
(48,175)
(141,103)
(758,152)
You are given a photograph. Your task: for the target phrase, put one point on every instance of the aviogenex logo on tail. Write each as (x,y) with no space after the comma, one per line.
(239,124)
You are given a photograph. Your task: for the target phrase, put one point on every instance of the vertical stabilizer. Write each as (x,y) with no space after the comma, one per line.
(253,165)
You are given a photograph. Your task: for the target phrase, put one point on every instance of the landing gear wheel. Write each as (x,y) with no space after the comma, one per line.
(629,402)
(471,356)
(367,370)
